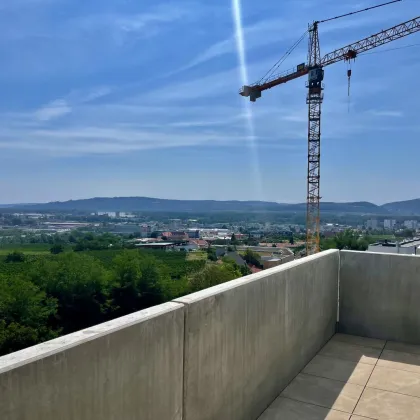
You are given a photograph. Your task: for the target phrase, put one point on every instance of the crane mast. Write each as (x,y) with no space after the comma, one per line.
(314,100)
(314,68)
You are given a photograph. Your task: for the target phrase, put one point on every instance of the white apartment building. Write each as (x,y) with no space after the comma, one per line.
(389,224)
(411,224)
(372,224)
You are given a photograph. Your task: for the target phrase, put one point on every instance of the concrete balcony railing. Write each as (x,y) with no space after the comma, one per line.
(225,353)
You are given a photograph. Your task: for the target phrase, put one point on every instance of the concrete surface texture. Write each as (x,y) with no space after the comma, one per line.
(247,339)
(358,379)
(128,369)
(380,295)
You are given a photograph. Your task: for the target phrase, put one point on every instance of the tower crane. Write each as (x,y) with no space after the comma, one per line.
(314,69)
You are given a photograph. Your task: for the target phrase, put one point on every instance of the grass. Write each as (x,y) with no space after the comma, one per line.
(27,249)
(197,256)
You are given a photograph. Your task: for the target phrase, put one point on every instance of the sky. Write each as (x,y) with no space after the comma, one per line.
(140,98)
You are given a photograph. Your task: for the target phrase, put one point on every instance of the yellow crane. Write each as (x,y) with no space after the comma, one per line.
(314,69)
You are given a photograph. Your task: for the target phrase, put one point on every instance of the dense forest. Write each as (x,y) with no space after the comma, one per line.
(45,296)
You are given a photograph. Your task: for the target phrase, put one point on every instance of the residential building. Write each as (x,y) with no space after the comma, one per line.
(201,243)
(193,233)
(372,224)
(389,224)
(411,224)
(175,236)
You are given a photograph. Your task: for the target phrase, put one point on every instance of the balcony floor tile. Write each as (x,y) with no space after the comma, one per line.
(354,378)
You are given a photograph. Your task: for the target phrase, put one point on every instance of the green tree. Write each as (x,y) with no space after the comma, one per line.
(252,257)
(212,275)
(211,254)
(80,285)
(126,292)
(141,281)
(346,240)
(57,249)
(25,312)
(15,257)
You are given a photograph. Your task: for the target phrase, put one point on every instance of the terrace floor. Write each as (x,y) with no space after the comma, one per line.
(354,378)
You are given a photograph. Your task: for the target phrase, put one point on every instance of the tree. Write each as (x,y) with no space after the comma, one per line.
(80,285)
(346,240)
(211,254)
(212,275)
(253,258)
(233,239)
(274,246)
(25,312)
(154,235)
(57,249)
(15,257)
(126,292)
(292,240)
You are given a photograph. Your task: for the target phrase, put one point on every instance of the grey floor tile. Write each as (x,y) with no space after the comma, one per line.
(394,380)
(399,360)
(405,348)
(286,409)
(324,392)
(385,405)
(341,350)
(359,341)
(339,369)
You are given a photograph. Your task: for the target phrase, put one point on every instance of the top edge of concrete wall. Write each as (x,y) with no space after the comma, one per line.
(48,348)
(378,253)
(211,291)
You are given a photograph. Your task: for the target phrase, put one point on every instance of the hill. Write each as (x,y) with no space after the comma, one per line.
(147,204)
(403,208)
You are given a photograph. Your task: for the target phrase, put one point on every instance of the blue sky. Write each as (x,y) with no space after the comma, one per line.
(126,97)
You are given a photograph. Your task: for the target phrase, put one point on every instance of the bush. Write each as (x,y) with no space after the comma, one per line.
(15,257)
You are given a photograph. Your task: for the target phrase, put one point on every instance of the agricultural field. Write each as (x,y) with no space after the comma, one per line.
(197,256)
(27,249)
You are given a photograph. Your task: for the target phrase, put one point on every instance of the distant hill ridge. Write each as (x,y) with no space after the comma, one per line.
(148,204)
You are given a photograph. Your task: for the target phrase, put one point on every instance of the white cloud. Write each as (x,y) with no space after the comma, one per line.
(122,27)
(53,110)
(271,31)
(79,96)
(385,113)
(60,107)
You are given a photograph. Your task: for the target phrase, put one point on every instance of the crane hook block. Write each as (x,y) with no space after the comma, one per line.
(349,73)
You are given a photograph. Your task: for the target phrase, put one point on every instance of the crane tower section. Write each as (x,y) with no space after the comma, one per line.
(314,100)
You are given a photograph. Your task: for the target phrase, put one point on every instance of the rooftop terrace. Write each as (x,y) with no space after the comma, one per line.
(333,336)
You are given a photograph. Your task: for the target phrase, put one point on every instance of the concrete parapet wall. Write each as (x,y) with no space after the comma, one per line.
(127,369)
(246,340)
(380,295)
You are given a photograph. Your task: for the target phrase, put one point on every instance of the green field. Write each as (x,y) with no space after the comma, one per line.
(197,256)
(27,249)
